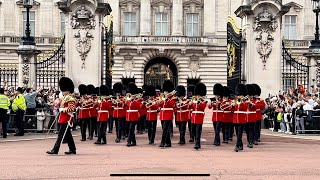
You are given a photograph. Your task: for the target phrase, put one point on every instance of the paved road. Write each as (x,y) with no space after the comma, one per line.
(275,158)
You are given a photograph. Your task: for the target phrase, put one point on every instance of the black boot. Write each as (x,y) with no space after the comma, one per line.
(255,142)
(70,152)
(52,152)
(167,145)
(250,145)
(240,148)
(161,145)
(236,149)
(117,140)
(226,142)
(191,140)
(128,144)
(196,147)
(97,142)
(104,140)
(82,139)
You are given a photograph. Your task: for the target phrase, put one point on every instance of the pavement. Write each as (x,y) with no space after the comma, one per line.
(278,156)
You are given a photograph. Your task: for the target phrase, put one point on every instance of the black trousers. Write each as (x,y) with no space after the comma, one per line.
(171,128)
(68,138)
(152,128)
(182,130)
(198,128)
(225,131)
(239,132)
(250,132)
(102,135)
(110,125)
(231,130)
(127,126)
(141,123)
(192,130)
(93,126)
(20,122)
(83,125)
(217,128)
(131,135)
(120,127)
(257,130)
(166,138)
(4,119)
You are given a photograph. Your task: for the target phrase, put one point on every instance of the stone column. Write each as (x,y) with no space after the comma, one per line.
(83,40)
(177,18)
(314,63)
(27,55)
(263,50)
(116,16)
(145,13)
(209,17)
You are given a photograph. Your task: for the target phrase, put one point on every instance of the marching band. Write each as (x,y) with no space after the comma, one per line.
(98,107)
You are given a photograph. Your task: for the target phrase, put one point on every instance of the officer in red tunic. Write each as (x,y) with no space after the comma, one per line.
(152,113)
(104,108)
(217,115)
(251,116)
(119,111)
(239,107)
(260,106)
(227,114)
(192,130)
(182,112)
(67,107)
(166,113)
(84,112)
(198,113)
(132,115)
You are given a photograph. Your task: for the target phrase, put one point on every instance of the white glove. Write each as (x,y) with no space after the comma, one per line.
(99,101)
(61,109)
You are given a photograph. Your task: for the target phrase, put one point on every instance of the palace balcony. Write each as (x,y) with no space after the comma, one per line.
(15,40)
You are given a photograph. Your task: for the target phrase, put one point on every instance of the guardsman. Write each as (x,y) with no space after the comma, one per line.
(68,106)
(251,116)
(119,112)
(104,108)
(83,113)
(239,107)
(167,105)
(198,113)
(260,106)
(231,126)
(152,106)
(19,107)
(192,130)
(93,111)
(4,107)
(132,115)
(227,114)
(143,113)
(217,115)
(182,112)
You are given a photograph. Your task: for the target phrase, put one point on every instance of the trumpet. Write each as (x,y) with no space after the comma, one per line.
(150,103)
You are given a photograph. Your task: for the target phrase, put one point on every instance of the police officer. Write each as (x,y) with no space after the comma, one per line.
(19,107)
(4,106)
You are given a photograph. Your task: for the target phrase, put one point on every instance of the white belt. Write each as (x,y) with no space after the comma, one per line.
(84,108)
(132,110)
(167,109)
(152,111)
(258,109)
(217,111)
(200,112)
(227,111)
(118,108)
(241,112)
(102,111)
(183,111)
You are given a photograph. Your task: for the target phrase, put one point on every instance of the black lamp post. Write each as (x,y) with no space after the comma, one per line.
(316,9)
(27,39)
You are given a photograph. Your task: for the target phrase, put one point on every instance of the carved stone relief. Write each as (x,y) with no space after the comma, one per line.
(25,73)
(194,63)
(265,25)
(83,20)
(128,63)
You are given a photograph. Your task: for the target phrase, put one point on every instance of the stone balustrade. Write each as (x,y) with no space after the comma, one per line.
(38,40)
(297,43)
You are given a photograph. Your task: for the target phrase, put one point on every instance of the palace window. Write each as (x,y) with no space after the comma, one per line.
(161,24)
(62,23)
(32,20)
(130,24)
(290,27)
(193,24)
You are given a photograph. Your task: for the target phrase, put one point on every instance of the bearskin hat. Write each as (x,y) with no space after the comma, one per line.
(104,90)
(257,89)
(83,90)
(140,91)
(132,88)
(151,90)
(226,91)
(201,89)
(218,89)
(168,86)
(118,87)
(158,87)
(181,91)
(250,90)
(91,89)
(231,92)
(97,91)
(241,90)
(66,84)
(190,89)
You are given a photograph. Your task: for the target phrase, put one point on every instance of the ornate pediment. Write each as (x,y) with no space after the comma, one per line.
(20,3)
(161,2)
(294,5)
(197,3)
(132,2)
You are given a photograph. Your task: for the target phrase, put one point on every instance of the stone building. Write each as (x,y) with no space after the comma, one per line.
(181,40)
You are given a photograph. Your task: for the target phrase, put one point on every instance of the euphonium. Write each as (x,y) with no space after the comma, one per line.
(128,96)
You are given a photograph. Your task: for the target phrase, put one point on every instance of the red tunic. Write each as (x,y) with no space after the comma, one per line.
(260,105)
(119,110)
(217,114)
(133,107)
(197,115)
(84,107)
(166,112)
(251,113)
(93,110)
(227,113)
(68,104)
(240,113)
(152,111)
(104,108)
(143,108)
(182,112)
